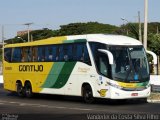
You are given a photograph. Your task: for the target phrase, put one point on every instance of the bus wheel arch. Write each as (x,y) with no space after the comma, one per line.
(28,89)
(87,93)
(20,88)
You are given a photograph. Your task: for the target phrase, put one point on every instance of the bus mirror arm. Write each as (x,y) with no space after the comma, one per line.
(108,53)
(154,56)
(155,61)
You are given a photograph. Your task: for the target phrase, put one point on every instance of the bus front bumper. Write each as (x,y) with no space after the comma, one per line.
(116,93)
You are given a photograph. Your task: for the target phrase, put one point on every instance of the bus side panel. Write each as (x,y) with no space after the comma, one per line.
(74,75)
(35,73)
(80,75)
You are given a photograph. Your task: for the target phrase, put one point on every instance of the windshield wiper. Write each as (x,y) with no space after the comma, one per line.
(131,66)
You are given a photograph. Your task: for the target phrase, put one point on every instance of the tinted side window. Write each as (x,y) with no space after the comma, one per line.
(68,52)
(101,59)
(102,63)
(86,56)
(26,53)
(41,53)
(16,55)
(7,54)
(50,53)
(34,53)
(61,53)
(30,54)
(95,46)
(82,53)
(74,52)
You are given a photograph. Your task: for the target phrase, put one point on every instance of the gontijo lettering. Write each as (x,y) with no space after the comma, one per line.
(31,68)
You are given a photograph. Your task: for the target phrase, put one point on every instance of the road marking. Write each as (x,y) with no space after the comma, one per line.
(39,105)
(3,101)
(12,102)
(61,107)
(23,104)
(79,109)
(43,105)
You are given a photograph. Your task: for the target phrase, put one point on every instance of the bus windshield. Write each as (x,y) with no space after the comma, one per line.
(130,62)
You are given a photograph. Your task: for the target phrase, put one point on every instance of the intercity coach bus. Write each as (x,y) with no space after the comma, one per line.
(91,66)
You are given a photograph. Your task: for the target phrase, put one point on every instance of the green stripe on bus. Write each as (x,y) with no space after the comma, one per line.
(64,74)
(53,74)
(75,41)
(142,84)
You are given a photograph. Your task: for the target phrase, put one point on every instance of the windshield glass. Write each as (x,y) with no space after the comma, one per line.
(130,62)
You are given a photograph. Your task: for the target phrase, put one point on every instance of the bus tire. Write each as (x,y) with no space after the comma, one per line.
(20,89)
(28,90)
(143,100)
(87,94)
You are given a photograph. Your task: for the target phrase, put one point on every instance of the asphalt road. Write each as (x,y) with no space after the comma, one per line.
(53,107)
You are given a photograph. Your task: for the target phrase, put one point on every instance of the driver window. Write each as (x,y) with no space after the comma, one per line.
(103,64)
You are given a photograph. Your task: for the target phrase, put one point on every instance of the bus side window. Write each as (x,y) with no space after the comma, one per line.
(69,52)
(16,55)
(61,53)
(86,56)
(80,52)
(94,49)
(74,51)
(54,47)
(103,64)
(65,51)
(7,54)
(57,53)
(23,54)
(41,53)
(34,54)
(29,51)
(48,53)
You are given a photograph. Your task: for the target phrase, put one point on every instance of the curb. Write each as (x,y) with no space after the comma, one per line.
(1,79)
(153,101)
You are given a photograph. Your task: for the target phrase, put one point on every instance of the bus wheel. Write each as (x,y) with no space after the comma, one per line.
(28,90)
(143,100)
(87,94)
(20,89)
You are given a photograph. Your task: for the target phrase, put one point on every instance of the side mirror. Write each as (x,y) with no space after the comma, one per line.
(153,55)
(108,53)
(155,61)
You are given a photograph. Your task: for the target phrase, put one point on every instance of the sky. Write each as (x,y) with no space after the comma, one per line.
(53,13)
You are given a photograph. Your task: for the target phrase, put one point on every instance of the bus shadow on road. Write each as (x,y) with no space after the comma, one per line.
(75,99)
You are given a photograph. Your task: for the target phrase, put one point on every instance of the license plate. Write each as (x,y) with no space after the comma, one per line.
(134,94)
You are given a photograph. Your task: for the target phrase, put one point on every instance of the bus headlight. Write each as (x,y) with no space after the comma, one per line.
(147,86)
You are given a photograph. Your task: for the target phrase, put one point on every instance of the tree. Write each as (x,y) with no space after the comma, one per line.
(154,43)
(40,34)
(129,29)
(86,28)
